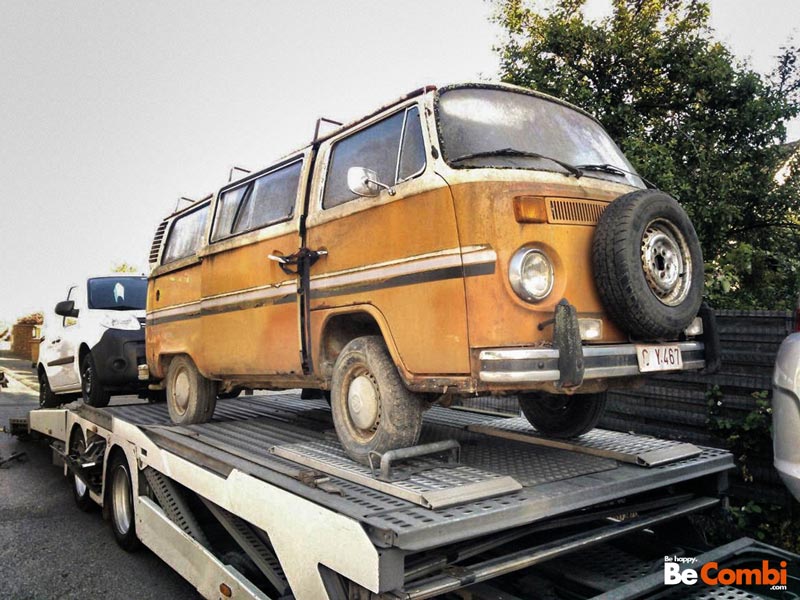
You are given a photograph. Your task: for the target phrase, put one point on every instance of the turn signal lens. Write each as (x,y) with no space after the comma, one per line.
(530,209)
(696,328)
(591,329)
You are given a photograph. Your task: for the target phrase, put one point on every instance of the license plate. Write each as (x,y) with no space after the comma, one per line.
(659,358)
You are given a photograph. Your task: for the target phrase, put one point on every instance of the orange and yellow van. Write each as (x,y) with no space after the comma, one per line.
(468,240)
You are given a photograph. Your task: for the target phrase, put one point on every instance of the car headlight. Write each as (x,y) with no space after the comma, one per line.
(120,321)
(531,274)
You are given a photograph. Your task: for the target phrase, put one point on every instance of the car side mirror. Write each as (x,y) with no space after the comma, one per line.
(364,182)
(66,308)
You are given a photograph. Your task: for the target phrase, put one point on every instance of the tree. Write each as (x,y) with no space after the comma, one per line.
(702,126)
(123,267)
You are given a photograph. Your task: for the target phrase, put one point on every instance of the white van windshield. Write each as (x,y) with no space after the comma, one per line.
(489,127)
(117,293)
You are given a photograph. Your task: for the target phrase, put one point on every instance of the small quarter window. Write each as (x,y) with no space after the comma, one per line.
(186,235)
(412,152)
(378,148)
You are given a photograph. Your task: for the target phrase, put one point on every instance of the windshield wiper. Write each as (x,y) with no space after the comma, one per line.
(614,170)
(522,153)
(123,307)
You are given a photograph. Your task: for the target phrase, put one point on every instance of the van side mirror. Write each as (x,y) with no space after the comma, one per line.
(66,308)
(364,182)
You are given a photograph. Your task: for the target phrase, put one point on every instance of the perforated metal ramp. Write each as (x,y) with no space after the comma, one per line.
(435,487)
(626,447)
(553,481)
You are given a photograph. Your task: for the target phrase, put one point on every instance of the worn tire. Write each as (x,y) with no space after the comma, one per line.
(234,393)
(47,398)
(378,392)
(191,398)
(120,503)
(562,416)
(645,247)
(80,491)
(94,394)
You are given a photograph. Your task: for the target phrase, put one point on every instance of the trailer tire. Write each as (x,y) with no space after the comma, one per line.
(648,265)
(80,491)
(373,411)
(47,398)
(562,416)
(94,394)
(120,501)
(191,398)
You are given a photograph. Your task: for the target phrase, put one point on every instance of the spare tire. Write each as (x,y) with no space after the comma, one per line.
(648,265)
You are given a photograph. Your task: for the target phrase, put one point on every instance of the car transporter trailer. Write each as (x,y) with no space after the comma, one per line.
(262,502)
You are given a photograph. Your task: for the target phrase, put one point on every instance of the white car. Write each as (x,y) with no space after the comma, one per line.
(786,413)
(94,343)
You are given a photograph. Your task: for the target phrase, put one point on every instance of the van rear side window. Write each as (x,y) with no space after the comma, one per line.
(186,235)
(377,147)
(263,201)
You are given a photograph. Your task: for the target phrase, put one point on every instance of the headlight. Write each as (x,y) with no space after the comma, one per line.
(531,274)
(120,321)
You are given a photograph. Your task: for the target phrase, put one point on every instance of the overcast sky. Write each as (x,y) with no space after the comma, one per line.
(110,111)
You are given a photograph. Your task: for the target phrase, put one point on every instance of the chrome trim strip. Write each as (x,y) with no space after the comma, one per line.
(589,352)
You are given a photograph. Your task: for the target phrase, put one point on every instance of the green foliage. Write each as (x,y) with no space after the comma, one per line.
(123,267)
(702,126)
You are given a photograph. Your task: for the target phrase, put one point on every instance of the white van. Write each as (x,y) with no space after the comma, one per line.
(94,342)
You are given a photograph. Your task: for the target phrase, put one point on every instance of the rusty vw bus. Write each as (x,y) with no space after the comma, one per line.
(461,241)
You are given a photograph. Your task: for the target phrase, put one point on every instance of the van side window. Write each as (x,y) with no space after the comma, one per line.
(185,236)
(268,199)
(412,152)
(377,147)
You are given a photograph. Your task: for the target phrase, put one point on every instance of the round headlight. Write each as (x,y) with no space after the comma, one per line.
(531,274)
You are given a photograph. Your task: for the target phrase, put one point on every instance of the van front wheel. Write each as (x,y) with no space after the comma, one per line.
(191,398)
(562,416)
(372,409)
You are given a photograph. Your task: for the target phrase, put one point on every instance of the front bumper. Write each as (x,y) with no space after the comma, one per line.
(117,356)
(541,365)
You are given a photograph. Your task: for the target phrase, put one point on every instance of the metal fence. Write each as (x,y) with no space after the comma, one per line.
(697,408)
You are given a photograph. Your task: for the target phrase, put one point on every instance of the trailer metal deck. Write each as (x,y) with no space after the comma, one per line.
(271,465)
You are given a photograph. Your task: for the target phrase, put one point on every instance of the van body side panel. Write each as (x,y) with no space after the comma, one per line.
(173,305)
(403,257)
(250,316)
(485,212)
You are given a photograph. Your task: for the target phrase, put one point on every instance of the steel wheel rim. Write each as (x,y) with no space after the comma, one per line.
(181,392)
(363,405)
(121,500)
(666,262)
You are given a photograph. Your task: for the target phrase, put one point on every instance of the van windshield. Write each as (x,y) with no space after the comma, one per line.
(117,293)
(488,127)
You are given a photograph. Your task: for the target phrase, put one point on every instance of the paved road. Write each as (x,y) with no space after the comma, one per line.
(49,548)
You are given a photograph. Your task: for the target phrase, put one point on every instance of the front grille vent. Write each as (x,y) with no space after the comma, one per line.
(574,212)
(159,237)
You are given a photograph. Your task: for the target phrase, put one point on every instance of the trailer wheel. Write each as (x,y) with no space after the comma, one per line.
(80,491)
(47,398)
(94,394)
(191,398)
(562,416)
(120,498)
(372,410)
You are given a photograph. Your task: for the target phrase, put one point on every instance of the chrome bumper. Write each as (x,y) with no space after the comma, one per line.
(536,365)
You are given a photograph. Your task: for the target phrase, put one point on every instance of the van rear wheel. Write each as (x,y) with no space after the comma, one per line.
(372,409)
(191,398)
(562,416)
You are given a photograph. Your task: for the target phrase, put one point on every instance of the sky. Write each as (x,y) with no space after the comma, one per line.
(111,111)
